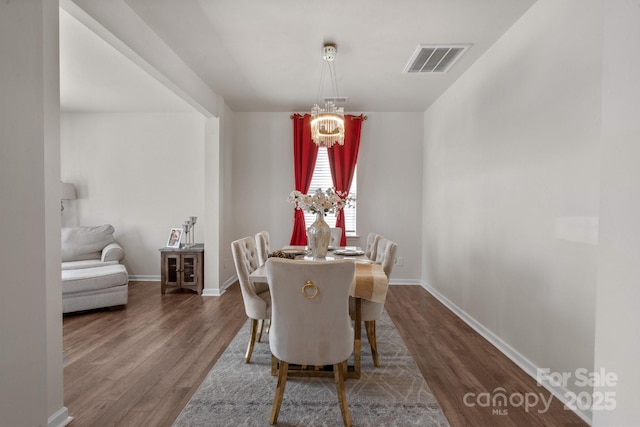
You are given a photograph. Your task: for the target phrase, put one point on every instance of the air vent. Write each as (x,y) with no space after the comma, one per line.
(336,99)
(435,58)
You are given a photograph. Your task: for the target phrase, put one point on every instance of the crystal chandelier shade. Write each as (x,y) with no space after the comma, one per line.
(327,124)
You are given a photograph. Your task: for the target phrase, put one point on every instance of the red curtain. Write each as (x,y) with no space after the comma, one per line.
(342,162)
(305,153)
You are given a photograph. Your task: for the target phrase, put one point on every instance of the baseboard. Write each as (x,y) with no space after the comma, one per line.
(144,278)
(230,281)
(205,292)
(525,364)
(60,419)
(218,292)
(413,282)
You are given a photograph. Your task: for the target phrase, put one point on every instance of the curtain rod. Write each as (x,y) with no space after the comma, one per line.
(352,118)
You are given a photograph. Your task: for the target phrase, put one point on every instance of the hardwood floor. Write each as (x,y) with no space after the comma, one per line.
(139,366)
(455,360)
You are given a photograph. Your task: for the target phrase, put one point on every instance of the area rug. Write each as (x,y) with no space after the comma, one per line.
(238,394)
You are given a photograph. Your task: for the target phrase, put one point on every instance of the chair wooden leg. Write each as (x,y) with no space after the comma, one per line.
(265,325)
(338,370)
(370,327)
(274,366)
(260,329)
(277,400)
(252,340)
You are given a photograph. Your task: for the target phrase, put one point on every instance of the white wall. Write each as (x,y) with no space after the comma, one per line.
(261,177)
(389,181)
(141,172)
(227,268)
(511,187)
(56,411)
(217,196)
(618,314)
(31,390)
(390,186)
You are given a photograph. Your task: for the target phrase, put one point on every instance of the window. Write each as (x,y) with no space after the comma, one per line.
(322,179)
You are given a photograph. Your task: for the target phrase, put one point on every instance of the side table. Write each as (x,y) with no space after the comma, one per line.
(182,268)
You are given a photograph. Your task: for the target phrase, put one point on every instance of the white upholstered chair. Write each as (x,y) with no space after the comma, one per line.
(336,236)
(263,244)
(370,251)
(371,311)
(310,323)
(385,254)
(257,299)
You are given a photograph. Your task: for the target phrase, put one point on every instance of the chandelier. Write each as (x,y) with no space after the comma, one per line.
(327,124)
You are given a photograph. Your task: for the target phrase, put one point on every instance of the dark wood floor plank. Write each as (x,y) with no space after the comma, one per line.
(157,342)
(139,366)
(455,360)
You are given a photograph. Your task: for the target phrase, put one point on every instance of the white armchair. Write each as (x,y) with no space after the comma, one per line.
(88,247)
(263,243)
(257,301)
(336,237)
(371,311)
(385,254)
(310,322)
(91,271)
(370,251)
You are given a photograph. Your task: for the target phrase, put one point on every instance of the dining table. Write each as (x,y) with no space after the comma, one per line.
(369,283)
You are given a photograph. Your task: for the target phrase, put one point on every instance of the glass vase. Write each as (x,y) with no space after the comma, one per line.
(319,235)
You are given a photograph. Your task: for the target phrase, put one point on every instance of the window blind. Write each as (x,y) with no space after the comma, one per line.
(322,179)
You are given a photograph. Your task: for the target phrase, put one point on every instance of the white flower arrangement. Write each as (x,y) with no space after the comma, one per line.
(320,201)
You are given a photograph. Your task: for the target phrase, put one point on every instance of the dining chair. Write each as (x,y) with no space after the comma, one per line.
(336,237)
(263,244)
(385,254)
(370,251)
(256,298)
(371,311)
(310,323)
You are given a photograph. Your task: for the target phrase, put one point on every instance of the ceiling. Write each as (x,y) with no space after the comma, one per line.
(263,56)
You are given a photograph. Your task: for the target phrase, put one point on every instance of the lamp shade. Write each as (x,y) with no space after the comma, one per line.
(67,191)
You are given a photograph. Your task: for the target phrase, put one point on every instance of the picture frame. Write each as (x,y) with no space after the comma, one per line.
(175,236)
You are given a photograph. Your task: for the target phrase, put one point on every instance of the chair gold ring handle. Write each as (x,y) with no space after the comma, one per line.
(312,285)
